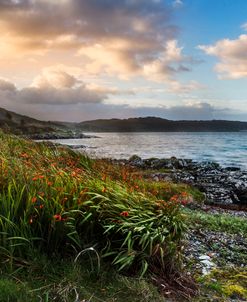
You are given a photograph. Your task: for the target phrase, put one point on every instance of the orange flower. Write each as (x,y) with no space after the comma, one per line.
(57,217)
(31,220)
(174,198)
(34,199)
(124,214)
(184,194)
(104,190)
(49,183)
(24,155)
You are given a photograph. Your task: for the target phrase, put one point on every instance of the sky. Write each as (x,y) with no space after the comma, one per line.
(77,60)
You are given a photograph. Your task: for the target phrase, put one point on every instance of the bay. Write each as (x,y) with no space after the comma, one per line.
(226,148)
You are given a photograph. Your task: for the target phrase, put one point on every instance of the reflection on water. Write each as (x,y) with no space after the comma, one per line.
(229,149)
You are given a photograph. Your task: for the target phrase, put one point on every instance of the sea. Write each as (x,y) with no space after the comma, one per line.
(225,148)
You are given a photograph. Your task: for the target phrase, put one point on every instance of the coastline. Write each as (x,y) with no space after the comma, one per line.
(225,186)
(67,187)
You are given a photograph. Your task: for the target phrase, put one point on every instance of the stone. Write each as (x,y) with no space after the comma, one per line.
(220,185)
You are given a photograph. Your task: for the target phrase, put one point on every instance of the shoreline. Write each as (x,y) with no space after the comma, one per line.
(220,185)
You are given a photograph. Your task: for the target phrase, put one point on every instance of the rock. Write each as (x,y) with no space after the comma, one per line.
(220,185)
(75,147)
(204,257)
(136,160)
(58,135)
(232,169)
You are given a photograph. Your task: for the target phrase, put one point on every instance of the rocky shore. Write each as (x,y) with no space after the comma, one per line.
(223,186)
(58,135)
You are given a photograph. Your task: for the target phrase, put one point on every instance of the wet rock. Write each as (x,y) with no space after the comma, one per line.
(135,160)
(58,135)
(75,147)
(220,185)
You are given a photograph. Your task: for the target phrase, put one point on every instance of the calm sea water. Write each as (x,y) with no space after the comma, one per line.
(228,149)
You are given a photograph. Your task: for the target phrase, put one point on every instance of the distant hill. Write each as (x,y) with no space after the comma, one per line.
(21,124)
(24,125)
(154,124)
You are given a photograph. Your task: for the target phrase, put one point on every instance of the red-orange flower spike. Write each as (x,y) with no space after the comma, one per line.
(57,217)
(24,155)
(124,214)
(184,194)
(104,190)
(34,199)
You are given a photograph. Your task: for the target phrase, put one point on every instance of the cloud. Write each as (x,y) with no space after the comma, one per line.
(244,26)
(55,77)
(54,100)
(95,110)
(6,85)
(55,86)
(46,24)
(123,38)
(51,87)
(232,56)
(177,87)
(177,3)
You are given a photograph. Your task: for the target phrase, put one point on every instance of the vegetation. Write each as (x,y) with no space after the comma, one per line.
(228,280)
(57,203)
(217,222)
(65,281)
(77,229)
(155,124)
(224,284)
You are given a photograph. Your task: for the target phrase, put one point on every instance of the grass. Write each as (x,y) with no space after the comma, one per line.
(46,280)
(217,222)
(60,204)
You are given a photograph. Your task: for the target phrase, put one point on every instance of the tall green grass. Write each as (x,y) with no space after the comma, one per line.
(58,202)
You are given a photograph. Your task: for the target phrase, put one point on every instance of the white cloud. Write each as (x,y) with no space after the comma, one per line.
(244,26)
(56,78)
(232,55)
(177,3)
(181,88)
(170,62)
(124,38)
